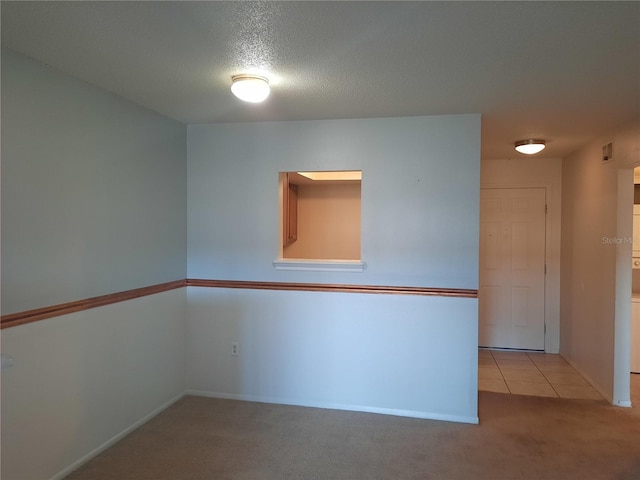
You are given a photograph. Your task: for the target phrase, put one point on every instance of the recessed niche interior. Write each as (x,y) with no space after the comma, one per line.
(320,215)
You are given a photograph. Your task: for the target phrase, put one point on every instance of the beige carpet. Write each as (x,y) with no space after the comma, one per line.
(519,437)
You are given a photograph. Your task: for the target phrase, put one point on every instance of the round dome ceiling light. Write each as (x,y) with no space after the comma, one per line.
(530,146)
(250,88)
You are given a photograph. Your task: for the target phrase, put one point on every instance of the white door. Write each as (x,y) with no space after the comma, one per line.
(512,268)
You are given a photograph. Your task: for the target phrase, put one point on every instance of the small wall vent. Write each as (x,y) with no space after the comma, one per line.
(607,152)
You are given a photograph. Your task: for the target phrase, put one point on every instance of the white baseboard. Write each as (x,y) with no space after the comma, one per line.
(78,463)
(338,406)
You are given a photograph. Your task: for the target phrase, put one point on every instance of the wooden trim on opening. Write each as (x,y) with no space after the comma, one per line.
(324,287)
(20,318)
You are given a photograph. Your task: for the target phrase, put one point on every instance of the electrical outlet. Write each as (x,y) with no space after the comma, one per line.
(235,349)
(7,361)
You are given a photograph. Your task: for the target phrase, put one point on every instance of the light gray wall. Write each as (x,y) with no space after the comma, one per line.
(93,190)
(420,189)
(82,381)
(395,354)
(420,221)
(597,204)
(93,202)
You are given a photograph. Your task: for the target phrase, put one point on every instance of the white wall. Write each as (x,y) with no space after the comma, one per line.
(420,190)
(81,380)
(93,190)
(402,354)
(93,202)
(597,201)
(545,173)
(420,193)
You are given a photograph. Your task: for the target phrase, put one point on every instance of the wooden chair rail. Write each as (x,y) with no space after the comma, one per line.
(327,287)
(29,316)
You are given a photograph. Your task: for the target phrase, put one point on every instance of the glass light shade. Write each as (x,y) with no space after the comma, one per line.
(250,88)
(530,147)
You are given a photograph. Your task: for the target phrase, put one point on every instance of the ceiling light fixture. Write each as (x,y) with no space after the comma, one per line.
(250,88)
(530,146)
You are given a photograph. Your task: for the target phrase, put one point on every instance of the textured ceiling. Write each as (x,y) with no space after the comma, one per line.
(563,71)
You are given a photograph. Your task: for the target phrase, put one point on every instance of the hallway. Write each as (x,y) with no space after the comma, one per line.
(536,374)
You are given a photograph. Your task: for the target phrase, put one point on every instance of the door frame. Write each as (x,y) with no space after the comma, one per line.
(622,321)
(552,259)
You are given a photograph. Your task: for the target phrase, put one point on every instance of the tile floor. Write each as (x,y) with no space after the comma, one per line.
(538,374)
